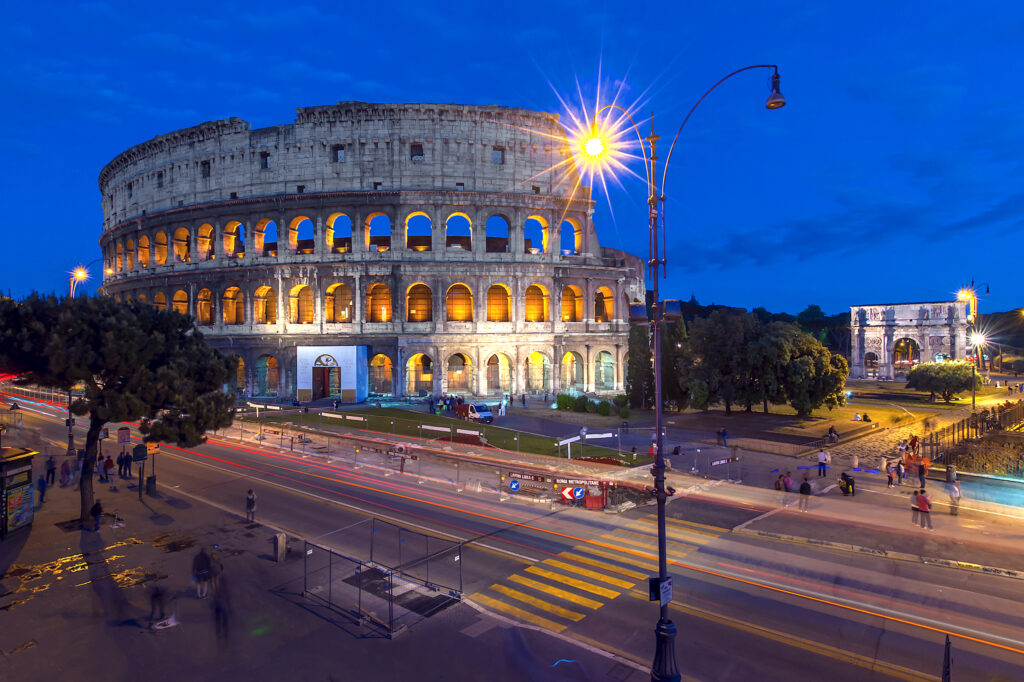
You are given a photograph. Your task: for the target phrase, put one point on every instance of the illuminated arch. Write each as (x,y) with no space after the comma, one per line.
(458,232)
(300,305)
(160,301)
(301,235)
(460,372)
(572,371)
(459,303)
(499,375)
(238,381)
(377,232)
(129,254)
(538,373)
(234,240)
(378,303)
(419,303)
(535,234)
(204,242)
(179,302)
(143,251)
(604,305)
(537,307)
(419,231)
(338,234)
(267,376)
(571,237)
(232,305)
(380,373)
(182,245)
(496,234)
(264,306)
(160,248)
(572,304)
(264,238)
(905,354)
(419,375)
(338,303)
(498,299)
(604,371)
(204,307)
(118,257)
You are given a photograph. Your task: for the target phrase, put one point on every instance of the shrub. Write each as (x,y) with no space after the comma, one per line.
(564,401)
(591,406)
(604,408)
(581,403)
(620,400)
(624,412)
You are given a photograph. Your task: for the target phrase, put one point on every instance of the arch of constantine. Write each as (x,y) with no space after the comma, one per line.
(888,339)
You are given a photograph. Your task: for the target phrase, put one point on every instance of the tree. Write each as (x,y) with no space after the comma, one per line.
(719,341)
(814,376)
(135,363)
(767,356)
(946,379)
(639,369)
(675,357)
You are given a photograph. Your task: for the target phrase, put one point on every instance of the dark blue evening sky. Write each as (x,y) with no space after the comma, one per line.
(894,173)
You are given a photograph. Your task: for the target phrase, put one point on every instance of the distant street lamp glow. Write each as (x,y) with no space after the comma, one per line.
(978,339)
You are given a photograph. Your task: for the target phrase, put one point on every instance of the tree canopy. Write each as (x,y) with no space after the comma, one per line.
(946,379)
(134,363)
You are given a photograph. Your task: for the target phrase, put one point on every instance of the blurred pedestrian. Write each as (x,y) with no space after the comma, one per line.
(201,567)
(108,467)
(725,437)
(805,493)
(250,506)
(781,488)
(890,470)
(96,511)
(954,498)
(922,471)
(221,608)
(915,513)
(157,602)
(41,485)
(127,465)
(120,465)
(924,508)
(823,459)
(51,470)
(65,473)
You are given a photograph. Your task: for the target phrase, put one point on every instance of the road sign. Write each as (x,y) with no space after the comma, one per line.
(513,486)
(152,448)
(725,460)
(139,453)
(124,435)
(666,590)
(567,493)
(578,493)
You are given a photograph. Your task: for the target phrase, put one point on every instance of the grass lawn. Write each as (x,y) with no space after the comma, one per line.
(406,423)
(883,392)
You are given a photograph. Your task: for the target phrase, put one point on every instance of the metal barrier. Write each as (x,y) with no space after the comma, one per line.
(406,577)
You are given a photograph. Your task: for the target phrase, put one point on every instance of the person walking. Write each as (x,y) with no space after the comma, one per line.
(787,484)
(922,471)
(725,437)
(120,465)
(41,485)
(250,506)
(221,608)
(96,512)
(889,471)
(201,567)
(924,508)
(901,471)
(65,474)
(823,460)
(77,473)
(915,513)
(127,465)
(781,488)
(51,470)
(108,467)
(805,493)
(954,498)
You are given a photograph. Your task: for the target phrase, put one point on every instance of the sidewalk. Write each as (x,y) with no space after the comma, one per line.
(75,606)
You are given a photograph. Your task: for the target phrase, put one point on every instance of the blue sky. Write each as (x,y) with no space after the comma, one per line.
(893,174)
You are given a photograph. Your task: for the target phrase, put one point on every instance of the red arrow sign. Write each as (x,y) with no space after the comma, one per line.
(567,493)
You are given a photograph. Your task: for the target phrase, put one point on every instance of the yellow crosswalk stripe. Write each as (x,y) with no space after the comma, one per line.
(618,582)
(538,603)
(680,523)
(602,564)
(648,540)
(555,592)
(687,535)
(573,582)
(518,612)
(630,559)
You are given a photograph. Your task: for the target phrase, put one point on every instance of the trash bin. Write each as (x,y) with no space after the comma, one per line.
(151,485)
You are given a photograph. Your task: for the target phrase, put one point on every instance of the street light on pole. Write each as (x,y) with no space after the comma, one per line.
(977,342)
(600,147)
(80,273)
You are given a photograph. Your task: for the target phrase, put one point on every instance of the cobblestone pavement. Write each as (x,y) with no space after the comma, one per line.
(870,449)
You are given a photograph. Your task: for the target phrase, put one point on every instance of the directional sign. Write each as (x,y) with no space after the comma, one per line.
(513,486)
(567,493)
(578,493)
(139,453)
(124,435)
(666,590)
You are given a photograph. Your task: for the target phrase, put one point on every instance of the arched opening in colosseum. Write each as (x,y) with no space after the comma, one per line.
(571,238)
(128,298)
(572,304)
(237,385)
(264,306)
(535,235)
(160,300)
(380,373)
(326,377)
(118,257)
(378,232)
(419,231)
(141,298)
(232,305)
(459,303)
(419,303)
(572,372)
(419,373)
(265,238)
(458,232)
(538,373)
(604,302)
(160,248)
(234,240)
(129,254)
(604,372)
(204,307)
(143,251)
(871,365)
(338,234)
(179,302)
(496,239)
(499,375)
(338,303)
(301,235)
(459,372)
(378,303)
(498,303)
(537,303)
(300,305)
(204,242)
(266,379)
(182,245)
(905,354)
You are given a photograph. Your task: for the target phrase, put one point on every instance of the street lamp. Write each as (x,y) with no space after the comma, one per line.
(977,341)
(80,273)
(600,147)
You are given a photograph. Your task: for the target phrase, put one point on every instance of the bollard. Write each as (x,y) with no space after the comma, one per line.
(280,546)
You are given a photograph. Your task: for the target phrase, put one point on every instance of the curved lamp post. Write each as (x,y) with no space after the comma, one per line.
(595,148)
(80,273)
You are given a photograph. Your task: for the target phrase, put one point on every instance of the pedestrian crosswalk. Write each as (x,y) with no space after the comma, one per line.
(562,590)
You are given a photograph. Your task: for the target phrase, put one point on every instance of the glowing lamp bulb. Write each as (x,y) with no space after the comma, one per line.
(977,340)
(594,147)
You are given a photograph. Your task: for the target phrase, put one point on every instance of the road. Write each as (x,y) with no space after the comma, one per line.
(746,608)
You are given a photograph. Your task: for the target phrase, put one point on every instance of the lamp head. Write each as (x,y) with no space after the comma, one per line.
(775,99)
(594,147)
(978,339)
(80,273)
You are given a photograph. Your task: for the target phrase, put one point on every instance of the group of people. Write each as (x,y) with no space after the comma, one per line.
(785,486)
(861,417)
(447,403)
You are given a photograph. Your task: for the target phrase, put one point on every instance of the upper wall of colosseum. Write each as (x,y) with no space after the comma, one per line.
(343,147)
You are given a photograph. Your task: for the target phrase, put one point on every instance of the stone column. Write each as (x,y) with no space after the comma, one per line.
(319,236)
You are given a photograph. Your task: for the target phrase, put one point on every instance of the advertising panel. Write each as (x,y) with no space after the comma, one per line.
(18,507)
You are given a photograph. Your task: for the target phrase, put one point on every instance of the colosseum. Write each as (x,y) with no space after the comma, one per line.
(376,250)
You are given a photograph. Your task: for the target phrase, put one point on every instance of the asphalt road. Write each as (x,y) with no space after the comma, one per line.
(745,608)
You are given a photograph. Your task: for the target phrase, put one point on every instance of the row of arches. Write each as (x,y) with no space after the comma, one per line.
(180,245)
(418,377)
(339,304)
